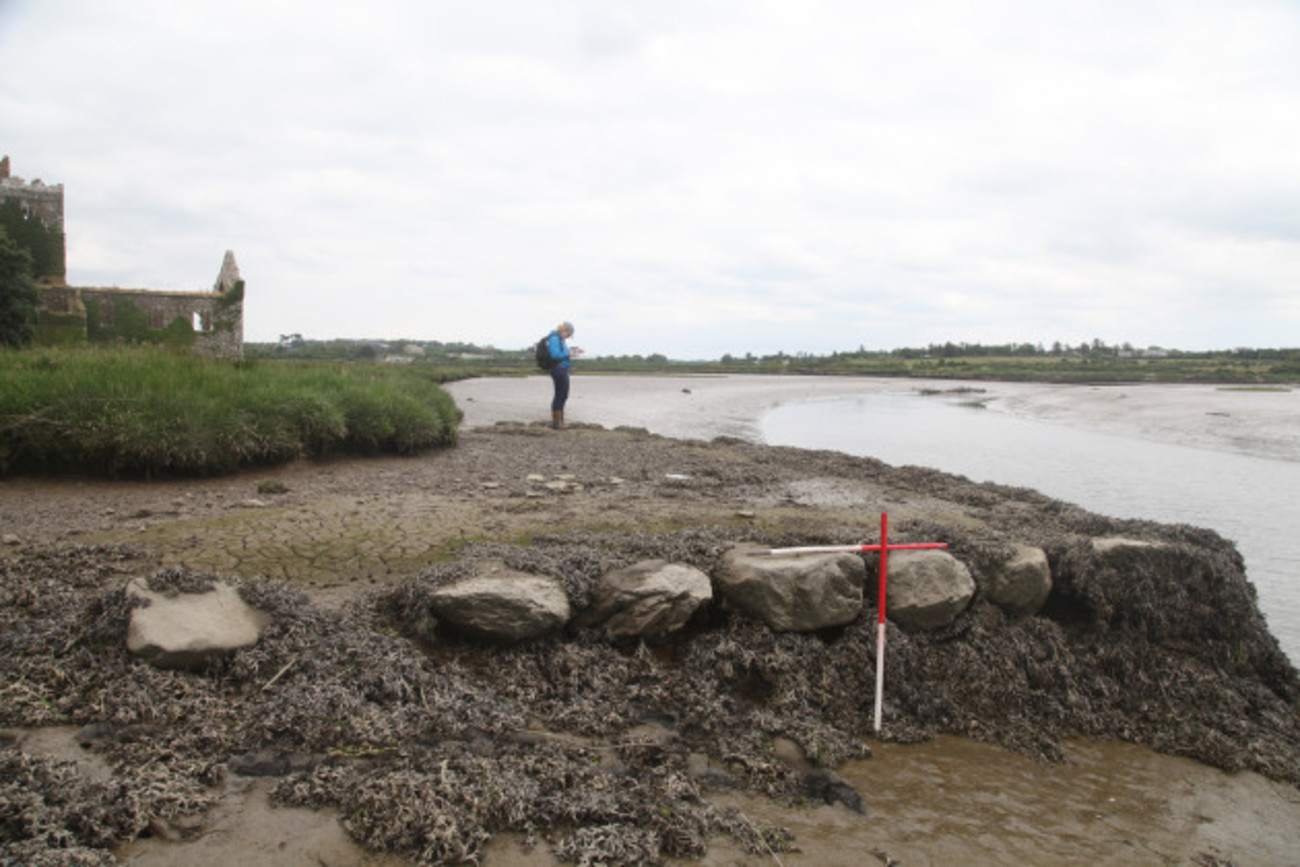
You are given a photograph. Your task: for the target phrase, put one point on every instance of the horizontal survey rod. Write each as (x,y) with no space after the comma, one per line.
(835,549)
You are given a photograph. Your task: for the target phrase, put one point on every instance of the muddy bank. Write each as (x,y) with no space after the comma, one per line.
(428,746)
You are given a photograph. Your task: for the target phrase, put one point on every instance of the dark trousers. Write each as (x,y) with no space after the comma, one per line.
(560,377)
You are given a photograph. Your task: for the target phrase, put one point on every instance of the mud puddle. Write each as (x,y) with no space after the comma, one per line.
(957,801)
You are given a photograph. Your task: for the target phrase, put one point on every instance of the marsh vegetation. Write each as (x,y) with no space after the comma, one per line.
(143,411)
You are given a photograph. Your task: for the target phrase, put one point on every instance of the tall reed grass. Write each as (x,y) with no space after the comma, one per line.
(146,412)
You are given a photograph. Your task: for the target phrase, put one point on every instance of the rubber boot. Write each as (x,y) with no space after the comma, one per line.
(557,419)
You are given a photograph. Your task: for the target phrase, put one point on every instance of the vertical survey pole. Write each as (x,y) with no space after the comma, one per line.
(880,618)
(884,548)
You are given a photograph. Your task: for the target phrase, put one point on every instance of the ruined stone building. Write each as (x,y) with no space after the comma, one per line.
(32,215)
(209,322)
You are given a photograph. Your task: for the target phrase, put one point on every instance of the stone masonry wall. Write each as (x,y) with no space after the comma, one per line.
(209,323)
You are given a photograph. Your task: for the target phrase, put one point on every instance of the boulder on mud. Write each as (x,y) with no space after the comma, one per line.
(500,603)
(1020,584)
(650,599)
(793,594)
(927,589)
(186,630)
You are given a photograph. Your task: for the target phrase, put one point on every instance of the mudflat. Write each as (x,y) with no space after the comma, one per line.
(419,747)
(1262,421)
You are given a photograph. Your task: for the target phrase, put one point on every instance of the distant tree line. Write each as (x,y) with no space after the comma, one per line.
(1060,362)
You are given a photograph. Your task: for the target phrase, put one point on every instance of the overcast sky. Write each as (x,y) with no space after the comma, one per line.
(692,177)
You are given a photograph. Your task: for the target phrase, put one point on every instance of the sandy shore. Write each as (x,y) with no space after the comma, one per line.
(1263,423)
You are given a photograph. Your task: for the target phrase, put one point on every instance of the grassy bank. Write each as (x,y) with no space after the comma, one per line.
(147,412)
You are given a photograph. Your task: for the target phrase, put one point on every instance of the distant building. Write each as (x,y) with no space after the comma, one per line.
(208,322)
(32,216)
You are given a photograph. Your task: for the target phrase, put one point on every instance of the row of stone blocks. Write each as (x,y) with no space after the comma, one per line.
(652,599)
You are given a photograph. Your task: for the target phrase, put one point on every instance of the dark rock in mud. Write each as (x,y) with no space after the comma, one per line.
(267,763)
(826,786)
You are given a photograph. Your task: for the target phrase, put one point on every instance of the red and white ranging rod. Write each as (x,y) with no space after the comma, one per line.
(884,548)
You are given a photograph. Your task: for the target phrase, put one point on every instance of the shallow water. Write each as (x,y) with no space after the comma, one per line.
(1248,499)
(956,801)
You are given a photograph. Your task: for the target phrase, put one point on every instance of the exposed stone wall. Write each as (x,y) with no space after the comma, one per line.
(210,323)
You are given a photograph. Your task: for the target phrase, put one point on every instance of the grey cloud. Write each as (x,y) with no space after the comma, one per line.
(679,174)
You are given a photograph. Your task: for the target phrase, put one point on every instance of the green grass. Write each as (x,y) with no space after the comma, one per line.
(148,412)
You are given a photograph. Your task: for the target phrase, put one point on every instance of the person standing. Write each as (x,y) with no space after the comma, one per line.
(562,363)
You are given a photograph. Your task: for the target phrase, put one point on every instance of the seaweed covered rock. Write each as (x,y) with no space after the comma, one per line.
(1021,583)
(792,594)
(927,589)
(1187,594)
(650,599)
(501,603)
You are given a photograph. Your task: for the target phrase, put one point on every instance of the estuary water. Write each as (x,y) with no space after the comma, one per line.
(1252,500)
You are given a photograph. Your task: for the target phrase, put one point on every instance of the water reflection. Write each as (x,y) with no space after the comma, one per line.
(1249,500)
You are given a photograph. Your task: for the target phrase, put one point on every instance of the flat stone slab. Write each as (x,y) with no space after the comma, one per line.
(187,630)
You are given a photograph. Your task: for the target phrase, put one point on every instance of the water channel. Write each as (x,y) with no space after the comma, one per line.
(1249,499)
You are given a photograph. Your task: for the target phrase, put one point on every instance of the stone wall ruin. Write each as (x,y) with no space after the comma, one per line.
(209,323)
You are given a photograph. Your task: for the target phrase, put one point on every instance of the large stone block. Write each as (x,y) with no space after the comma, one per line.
(793,593)
(649,599)
(503,604)
(927,589)
(1021,584)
